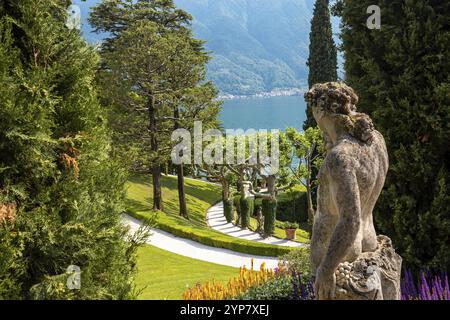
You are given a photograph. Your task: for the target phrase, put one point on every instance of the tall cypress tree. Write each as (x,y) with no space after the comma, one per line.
(401,75)
(322,61)
(61,193)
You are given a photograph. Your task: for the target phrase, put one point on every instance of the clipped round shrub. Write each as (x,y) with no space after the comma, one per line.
(237,206)
(228,210)
(246,209)
(269,210)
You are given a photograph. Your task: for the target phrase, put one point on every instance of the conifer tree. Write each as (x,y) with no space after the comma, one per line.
(61,194)
(164,65)
(400,73)
(322,61)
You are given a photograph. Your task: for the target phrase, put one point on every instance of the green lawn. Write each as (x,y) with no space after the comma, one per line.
(199,197)
(164,275)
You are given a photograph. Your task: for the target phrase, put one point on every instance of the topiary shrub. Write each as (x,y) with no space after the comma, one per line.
(246,207)
(237,201)
(228,210)
(237,206)
(252,208)
(269,209)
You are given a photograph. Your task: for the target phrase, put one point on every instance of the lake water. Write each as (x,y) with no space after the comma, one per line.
(264,113)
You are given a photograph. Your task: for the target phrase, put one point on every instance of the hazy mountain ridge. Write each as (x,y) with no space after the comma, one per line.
(257,45)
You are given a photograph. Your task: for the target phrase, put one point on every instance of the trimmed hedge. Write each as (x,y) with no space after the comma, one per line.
(228,210)
(237,206)
(292,207)
(269,210)
(246,211)
(218,240)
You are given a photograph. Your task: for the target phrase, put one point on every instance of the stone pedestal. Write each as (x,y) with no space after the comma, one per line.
(373,276)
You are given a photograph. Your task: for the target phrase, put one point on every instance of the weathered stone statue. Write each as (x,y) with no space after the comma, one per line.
(348,260)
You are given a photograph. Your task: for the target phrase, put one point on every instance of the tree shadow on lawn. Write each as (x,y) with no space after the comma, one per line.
(197,207)
(200,189)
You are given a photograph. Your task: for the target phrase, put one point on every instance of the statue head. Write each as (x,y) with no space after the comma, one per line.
(333,105)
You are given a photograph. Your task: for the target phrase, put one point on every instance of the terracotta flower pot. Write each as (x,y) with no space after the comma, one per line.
(290,234)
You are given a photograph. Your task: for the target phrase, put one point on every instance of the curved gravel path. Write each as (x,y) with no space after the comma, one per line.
(195,250)
(216,220)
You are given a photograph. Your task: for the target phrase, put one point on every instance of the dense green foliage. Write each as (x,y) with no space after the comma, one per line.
(246,206)
(309,148)
(269,210)
(237,202)
(278,288)
(158,88)
(322,61)
(302,235)
(292,206)
(400,73)
(56,171)
(297,261)
(228,210)
(284,286)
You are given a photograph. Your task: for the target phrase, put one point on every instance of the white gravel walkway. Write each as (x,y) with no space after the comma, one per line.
(217,221)
(195,250)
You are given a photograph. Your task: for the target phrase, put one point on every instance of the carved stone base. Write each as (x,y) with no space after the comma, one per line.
(373,276)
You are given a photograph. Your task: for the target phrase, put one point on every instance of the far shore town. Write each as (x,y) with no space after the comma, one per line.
(274,93)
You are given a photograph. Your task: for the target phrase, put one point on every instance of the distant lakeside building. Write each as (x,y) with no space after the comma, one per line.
(285,92)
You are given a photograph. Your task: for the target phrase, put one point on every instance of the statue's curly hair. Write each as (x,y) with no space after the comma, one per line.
(339,100)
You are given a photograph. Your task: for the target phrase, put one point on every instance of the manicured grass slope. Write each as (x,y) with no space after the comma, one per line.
(164,275)
(200,196)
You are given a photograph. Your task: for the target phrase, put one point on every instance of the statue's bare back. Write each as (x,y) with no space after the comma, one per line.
(364,164)
(350,182)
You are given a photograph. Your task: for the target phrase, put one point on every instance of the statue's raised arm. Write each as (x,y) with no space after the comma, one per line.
(350,182)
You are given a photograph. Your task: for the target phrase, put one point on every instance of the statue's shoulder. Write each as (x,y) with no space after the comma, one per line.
(341,157)
(378,138)
(379,144)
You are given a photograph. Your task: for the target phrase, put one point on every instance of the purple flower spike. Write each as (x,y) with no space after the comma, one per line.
(430,286)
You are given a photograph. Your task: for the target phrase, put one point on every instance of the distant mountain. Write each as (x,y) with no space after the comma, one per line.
(257,45)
